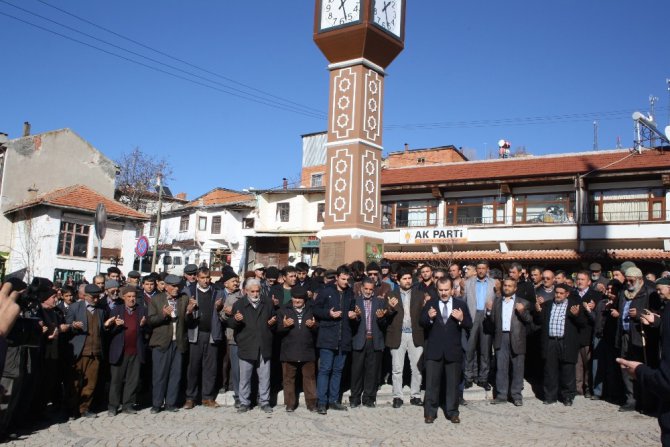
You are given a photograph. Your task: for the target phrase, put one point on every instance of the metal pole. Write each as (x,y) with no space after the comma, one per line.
(158,222)
(97,270)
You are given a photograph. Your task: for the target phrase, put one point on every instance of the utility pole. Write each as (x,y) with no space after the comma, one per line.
(158,222)
(652,113)
(595,135)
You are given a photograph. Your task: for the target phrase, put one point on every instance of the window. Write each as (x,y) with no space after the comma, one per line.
(216,224)
(183,224)
(544,208)
(202,223)
(248,222)
(176,260)
(387,215)
(631,205)
(283,212)
(152,229)
(139,230)
(416,213)
(317,180)
(475,210)
(73,239)
(320,212)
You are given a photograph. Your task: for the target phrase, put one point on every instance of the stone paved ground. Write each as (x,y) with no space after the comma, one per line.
(587,423)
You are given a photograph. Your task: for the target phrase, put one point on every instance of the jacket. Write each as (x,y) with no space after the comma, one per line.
(378,324)
(161,335)
(518,327)
(77,312)
(470,293)
(253,335)
(230,299)
(443,341)
(297,341)
(571,332)
(117,334)
(397,314)
(192,320)
(586,333)
(334,333)
(646,298)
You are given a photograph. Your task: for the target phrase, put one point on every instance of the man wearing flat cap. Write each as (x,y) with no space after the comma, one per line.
(373,271)
(110,297)
(190,273)
(167,318)
(560,320)
(86,319)
(133,278)
(597,276)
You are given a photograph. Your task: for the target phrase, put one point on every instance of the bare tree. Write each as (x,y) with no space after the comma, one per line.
(138,176)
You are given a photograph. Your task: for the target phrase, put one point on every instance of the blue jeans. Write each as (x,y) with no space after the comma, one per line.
(331,364)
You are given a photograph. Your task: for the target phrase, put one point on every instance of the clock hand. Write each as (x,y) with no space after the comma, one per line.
(386,5)
(344,11)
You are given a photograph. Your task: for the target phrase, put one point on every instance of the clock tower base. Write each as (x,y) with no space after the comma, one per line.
(355,245)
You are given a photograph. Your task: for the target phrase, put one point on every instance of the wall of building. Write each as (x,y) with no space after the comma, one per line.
(302,215)
(419,157)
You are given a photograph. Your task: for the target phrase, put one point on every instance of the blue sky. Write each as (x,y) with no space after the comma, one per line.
(535,73)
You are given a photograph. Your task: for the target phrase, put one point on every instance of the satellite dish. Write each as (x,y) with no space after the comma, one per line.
(100,221)
(638,115)
(501,143)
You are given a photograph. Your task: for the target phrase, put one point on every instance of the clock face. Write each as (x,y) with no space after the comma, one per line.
(387,14)
(335,13)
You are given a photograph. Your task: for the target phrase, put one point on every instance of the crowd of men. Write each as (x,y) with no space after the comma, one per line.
(172,342)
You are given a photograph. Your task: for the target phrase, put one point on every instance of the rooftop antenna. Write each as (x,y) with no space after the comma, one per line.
(652,116)
(595,135)
(646,131)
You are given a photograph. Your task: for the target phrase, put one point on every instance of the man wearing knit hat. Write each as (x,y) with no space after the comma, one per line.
(231,361)
(630,340)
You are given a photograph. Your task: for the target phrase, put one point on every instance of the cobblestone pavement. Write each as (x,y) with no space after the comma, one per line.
(587,423)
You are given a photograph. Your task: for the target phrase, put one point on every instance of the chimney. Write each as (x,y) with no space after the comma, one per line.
(285,183)
(181,196)
(406,148)
(26,129)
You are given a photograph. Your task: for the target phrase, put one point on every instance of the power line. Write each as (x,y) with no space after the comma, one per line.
(224,88)
(178,59)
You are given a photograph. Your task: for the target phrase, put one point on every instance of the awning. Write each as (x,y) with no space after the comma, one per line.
(531,255)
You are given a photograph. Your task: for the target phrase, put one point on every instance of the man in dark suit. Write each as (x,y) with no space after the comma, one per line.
(86,319)
(444,319)
(478,290)
(508,319)
(205,333)
(167,317)
(560,320)
(367,345)
(404,336)
(127,325)
(589,297)
(254,322)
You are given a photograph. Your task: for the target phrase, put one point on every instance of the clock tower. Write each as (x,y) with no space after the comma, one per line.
(360,38)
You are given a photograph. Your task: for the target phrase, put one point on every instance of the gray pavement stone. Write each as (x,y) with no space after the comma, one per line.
(587,423)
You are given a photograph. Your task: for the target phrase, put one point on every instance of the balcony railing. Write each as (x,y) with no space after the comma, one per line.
(625,216)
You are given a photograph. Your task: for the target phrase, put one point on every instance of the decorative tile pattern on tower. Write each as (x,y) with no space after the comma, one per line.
(370,187)
(341,178)
(343,115)
(373,106)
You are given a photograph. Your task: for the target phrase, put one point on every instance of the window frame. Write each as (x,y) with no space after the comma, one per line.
(596,207)
(183,223)
(316,175)
(283,213)
(456,206)
(202,223)
(216,225)
(568,205)
(69,230)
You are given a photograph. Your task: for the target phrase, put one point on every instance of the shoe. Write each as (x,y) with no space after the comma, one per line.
(242,409)
(111,413)
(627,407)
(416,401)
(337,406)
(397,402)
(549,402)
(266,408)
(596,397)
(454,419)
(568,402)
(237,403)
(498,401)
(468,384)
(190,404)
(210,403)
(321,409)
(312,409)
(429,419)
(370,404)
(587,394)
(155,410)
(484,385)
(463,401)
(518,403)
(129,410)
(89,414)
(354,403)
(290,409)
(171,409)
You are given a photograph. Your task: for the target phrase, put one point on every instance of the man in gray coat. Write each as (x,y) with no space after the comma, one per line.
(479,290)
(508,318)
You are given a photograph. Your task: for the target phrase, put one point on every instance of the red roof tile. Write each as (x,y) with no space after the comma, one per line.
(528,255)
(81,198)
(221,196)
(568,164)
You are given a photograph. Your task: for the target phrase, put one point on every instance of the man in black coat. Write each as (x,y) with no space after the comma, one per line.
(297,327)
(127,332)
(656,380)
(508,319)
(334,308)
(444,320)
(589,298)
(560,320)
(367,345)
(253,323)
